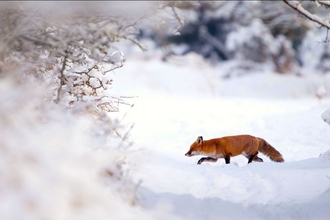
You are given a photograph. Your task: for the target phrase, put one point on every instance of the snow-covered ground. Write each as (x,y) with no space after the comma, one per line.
(56,164)
(179,100)
(50,168)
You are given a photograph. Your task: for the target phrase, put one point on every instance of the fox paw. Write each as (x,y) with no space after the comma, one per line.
(200,161)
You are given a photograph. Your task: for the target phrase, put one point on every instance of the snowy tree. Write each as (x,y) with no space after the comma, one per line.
(223,31)
(318,14)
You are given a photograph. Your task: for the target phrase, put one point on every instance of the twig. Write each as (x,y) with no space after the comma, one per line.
(36,42)
(113,69)
(327,37)
(61,79)
(171,4)
(125,138)
(135,42)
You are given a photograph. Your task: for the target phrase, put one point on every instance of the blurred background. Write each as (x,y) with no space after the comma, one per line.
(70,70)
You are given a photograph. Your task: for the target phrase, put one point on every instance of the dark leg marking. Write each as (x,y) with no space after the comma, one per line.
(254,157)
(251,157)
(227,159)
(258,159)
(207,159)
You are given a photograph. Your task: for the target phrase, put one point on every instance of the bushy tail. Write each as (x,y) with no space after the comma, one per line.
(268,150)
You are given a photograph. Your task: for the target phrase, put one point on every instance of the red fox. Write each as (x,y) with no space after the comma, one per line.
(231,146)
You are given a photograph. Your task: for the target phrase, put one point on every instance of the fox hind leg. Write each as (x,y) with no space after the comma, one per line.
(258,159)
(207,159)
(254,157)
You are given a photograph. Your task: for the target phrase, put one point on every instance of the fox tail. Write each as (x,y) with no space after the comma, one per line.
(268,150)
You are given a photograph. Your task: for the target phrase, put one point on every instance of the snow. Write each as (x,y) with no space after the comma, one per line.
(54,164)
(255,29)
(186,98)
(326,116)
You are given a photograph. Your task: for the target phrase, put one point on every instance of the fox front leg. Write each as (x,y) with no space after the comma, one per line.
(227,159)
(207,159)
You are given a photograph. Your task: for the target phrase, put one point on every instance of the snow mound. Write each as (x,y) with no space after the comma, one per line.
(326,116)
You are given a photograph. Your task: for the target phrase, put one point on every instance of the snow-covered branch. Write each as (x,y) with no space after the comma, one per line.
(324,3)
(296,5)
(76,56)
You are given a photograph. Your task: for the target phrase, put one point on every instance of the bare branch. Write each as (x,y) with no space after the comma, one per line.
(171,4)
(296,5)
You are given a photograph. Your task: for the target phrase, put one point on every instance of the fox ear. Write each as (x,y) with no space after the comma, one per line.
(199,140)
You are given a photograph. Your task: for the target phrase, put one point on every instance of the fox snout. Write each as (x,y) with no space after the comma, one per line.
(188,154)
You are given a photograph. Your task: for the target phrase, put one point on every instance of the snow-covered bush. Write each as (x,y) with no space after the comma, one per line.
(256,44)
(59,161)
(55,164)
(75,54)
(257,32)
(253,42)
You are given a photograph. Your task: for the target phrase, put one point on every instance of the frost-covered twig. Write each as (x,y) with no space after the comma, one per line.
(124,138)
(135,42)
(296,5)
(114,68)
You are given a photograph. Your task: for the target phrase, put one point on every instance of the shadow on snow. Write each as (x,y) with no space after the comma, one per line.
(187,206)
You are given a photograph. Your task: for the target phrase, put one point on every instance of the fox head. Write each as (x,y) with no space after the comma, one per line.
(195,148)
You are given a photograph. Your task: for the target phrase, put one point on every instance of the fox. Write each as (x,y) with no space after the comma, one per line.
(230,146)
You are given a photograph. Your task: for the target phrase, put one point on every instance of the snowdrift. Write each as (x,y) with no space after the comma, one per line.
(179,101)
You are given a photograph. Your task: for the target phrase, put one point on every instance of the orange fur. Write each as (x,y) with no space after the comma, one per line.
(231,146)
